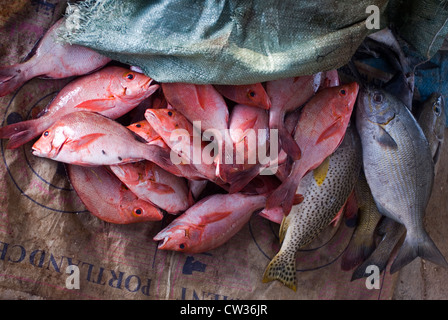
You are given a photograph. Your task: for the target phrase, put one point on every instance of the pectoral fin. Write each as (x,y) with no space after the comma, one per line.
(83,141)
(385,139)
(96,105)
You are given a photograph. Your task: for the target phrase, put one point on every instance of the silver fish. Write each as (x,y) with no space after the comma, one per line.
(399,169)
(432,120)
(362,242)
(326,190)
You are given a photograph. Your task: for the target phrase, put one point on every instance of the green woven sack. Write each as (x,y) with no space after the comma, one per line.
(223,41)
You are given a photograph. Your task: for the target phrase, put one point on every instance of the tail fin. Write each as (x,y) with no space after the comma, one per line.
(392,233)
(288,144)
(283,268)
(20,133)
(422,247)
(283,196)
(357,252)
(10,79)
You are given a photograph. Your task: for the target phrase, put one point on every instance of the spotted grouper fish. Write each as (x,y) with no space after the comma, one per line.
(326,190)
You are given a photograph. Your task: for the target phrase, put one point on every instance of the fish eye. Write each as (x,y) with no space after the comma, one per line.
(170,113)
(251,94)
(437,110)
(342,92)
(46,133)
(378,97)
(182,246)
(138,125)
(138,211)
(130,76)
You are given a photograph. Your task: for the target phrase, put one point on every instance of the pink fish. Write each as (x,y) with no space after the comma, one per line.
(253,95)
(51,59)
(320,130)
(90,139)
(287,95)
(151,183)
(146,131)
(198,103)
(168,123)
(112,92)
(249,134)
(107,198)
(209,223)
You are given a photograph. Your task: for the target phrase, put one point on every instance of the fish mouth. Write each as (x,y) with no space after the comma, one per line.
(164,240)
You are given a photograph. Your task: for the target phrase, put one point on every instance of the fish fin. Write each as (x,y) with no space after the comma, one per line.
(283,268)
(240,179)
(82,141)
(437,154)
(273,215)
(216,216)
(357,252)
(298,198)
(385,139)
(19,133)
(329,132)
(320,173)
(10,79)
(283,196)
(283,228)
(96,105)
(377,258)
(338,216)
(412,248)
(289,145)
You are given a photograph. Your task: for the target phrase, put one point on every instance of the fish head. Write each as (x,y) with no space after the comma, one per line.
(130,85)
(256,96)
(51,142)
(179,237)
(435,109)
(144,130)
(138,211)
(165,121)
(377,106)
(344,98)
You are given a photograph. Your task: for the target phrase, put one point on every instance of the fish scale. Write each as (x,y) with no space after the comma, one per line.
(322,202)
(399,169)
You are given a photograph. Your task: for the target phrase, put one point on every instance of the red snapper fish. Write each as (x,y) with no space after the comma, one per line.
(112,92)
(51,59)
(90,139)
(320,129)
(287,95)
(107,198)
(249,134)
(168,123)
(146,131)
(253,95)
(198,103)
(209,223)
(151,183)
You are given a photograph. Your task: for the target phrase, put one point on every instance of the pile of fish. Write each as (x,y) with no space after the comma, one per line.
(136,150)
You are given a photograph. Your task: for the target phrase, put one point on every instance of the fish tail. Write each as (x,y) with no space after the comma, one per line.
(283,268)
(288,144)
(10,79)
(422,247)
(19,133)
(240,179)
(283,196)
(357,252)
(377,258)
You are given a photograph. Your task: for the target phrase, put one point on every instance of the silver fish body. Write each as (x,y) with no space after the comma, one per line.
(399,169)
(326,190)
(432,120)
